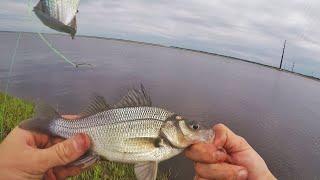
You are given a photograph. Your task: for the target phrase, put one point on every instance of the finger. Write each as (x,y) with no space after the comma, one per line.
(34,139)
(64,152)
(40,140)
(57,140)
(197,177)
(206,153)
(53,141)
(64,172)
(225,138)
(221,171)
(71,117)
(49,175)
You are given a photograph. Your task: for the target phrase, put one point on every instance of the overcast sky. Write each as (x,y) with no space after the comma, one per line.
(250,29)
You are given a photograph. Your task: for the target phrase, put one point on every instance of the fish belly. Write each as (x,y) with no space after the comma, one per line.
(157,154)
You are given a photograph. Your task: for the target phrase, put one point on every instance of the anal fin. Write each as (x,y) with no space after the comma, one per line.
(146,170)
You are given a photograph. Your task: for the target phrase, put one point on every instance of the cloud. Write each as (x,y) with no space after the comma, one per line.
(251,29)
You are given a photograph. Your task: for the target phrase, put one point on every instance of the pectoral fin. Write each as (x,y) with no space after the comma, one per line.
(146,170)
(137,145)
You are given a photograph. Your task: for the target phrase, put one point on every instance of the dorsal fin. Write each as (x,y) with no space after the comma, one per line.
(98,104)
(135,98)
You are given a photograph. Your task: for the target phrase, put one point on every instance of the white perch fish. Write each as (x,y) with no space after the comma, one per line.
(59,15)
(130,131)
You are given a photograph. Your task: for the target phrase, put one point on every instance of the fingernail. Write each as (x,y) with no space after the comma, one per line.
(242,174)
(79,142)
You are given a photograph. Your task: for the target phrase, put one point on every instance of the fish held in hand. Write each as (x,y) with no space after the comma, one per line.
(59,15)
(130,131)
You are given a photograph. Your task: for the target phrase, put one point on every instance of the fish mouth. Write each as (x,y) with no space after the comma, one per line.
(208,136)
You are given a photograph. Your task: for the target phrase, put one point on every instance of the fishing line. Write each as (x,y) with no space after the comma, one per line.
(56,51)
(13,57)
(50,46)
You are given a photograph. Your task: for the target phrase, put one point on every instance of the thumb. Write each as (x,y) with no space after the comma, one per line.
(227,139)
(64,152)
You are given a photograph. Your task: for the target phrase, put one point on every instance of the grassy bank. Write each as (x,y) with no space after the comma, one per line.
(13,110)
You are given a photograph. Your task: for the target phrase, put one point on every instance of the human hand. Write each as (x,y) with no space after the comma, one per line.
(30,155)
(228,157)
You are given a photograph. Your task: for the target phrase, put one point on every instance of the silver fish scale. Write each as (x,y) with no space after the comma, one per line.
(122,137)
(128,141)
(114,116)
(59,10)
(137,128)
(124,134)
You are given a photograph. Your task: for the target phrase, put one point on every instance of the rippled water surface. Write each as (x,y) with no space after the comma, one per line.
(277,112)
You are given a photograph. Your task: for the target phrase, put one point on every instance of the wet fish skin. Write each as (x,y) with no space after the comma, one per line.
(59,15)
(116,132)
(131,131)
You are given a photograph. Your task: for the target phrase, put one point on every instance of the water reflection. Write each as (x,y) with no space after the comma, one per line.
(275,111)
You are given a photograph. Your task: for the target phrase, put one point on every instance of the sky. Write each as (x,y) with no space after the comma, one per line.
(250,29)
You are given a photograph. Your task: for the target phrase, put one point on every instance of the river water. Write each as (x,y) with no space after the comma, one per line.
(277,112)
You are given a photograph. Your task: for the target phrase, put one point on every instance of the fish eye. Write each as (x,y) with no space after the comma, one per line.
(195,126)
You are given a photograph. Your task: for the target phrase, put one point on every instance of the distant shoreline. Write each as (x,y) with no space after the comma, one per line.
(179,48)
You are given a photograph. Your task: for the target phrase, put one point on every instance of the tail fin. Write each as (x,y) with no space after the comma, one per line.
(44,115)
